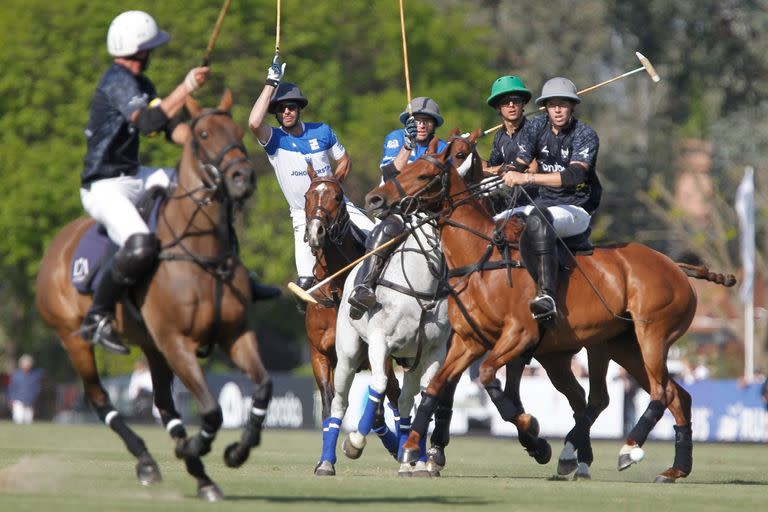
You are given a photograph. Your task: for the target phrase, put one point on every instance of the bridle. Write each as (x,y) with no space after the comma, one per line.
(209,167)
(336,224)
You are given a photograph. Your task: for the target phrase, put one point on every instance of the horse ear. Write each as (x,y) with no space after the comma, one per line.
(311,170)
(432,148)
(193,107)
(475,135)
(455,132)
(226,101)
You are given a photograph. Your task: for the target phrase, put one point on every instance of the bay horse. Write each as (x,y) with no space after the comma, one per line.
(196,298)
(625,294)
(335,242)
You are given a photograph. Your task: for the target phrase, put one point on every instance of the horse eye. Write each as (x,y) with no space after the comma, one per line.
(339,197)
(461,156)
(203,134)
(424,177)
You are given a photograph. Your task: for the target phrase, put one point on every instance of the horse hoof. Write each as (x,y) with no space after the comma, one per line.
(543,452)
(353,445)
(432,466)
(566,466)
(420,470)
(628,455)
(405,470)
(409,456)
(436,457)
(210,493)
(148,472)
(234,457)
(325,468)
(663,479)
(582,472)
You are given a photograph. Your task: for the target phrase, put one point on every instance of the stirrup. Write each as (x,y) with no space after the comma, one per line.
(543,307)
(100,331)
(361,300)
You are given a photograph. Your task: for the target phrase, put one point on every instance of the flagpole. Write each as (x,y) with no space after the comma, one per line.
(749,341)
(745,211)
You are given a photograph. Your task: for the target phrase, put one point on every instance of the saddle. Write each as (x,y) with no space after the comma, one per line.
(95,247)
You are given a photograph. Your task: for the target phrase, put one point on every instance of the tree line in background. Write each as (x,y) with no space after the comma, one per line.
(347,57)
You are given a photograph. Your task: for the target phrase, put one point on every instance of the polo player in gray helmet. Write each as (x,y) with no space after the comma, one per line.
(400,147)
(568,188)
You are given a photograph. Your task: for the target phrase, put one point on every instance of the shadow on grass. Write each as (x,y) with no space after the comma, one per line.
(350,500)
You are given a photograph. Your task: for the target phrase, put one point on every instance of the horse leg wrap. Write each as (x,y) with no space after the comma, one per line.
(173,425)
(331,429)
(579,437)
(645,424)
(388,438)
(441,433)
(369,413)
(259,404)
(424,414)
(508,410)
(683,448)
(113,420)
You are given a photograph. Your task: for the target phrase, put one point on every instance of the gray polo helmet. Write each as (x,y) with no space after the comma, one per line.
(287,91)
(426,106)
(558,87)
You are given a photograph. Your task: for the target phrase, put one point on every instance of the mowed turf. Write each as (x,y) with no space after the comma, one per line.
(61,468)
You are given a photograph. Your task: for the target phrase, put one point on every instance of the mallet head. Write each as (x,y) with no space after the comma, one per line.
(648,66)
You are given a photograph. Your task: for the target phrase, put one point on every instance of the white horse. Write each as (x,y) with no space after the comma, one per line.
(409,323)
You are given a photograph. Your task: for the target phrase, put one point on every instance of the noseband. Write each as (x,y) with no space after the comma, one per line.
(412,203)
(209,167)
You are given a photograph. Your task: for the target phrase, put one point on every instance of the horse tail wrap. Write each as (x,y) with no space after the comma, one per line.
(702,272)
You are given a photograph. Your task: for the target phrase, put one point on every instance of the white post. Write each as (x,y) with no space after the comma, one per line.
(749,341)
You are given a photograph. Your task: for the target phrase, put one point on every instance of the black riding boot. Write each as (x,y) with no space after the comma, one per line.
(543,306)
(99,323)
(363,297)
(537,247)
(305,283)
(261,291)
(133,261)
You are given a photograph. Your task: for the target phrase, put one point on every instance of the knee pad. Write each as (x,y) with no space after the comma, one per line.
(136,258)
(385,231)
(539,235)
(305,282)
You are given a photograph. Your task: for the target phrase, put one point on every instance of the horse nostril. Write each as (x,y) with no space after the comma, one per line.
(374,201)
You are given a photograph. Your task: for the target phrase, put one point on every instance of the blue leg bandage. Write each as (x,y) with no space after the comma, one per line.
(331,428)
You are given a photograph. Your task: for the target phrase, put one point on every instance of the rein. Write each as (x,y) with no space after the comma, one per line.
(210,171)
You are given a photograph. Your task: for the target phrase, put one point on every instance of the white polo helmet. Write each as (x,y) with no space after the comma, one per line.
(132,32)
(558,87)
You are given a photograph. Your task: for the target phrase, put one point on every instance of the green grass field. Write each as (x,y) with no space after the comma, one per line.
(61,468)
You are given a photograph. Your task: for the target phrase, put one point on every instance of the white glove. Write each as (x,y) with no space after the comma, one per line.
(190,81)
(275,72)
(492,185)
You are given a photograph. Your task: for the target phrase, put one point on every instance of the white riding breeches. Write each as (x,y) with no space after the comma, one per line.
(305,260)
(567,220)
(112,201)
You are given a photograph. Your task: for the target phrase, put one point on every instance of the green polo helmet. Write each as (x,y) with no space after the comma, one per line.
(508,85)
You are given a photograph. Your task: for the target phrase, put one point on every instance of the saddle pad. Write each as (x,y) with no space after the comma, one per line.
(95,248)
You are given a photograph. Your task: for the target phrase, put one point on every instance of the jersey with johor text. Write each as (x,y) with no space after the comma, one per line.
(504,150)
(288,155)
(113,142)
(394,141)
(577,142)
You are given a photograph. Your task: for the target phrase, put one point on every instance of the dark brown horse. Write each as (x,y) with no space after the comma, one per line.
(626,294)
(196,298)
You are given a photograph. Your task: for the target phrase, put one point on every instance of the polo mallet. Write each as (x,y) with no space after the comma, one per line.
(277,29)
(405,60)
(215,33)
(306,295)
(646,65)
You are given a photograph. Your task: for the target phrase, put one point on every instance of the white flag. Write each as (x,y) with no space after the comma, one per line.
(745,209)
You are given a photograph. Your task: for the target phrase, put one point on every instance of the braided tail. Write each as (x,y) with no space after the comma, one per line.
(702,272)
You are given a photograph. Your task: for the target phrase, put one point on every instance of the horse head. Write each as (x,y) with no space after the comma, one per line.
(464,155)
(422,185)
(326,212)
(219,160)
